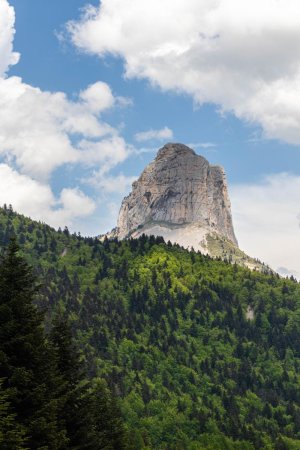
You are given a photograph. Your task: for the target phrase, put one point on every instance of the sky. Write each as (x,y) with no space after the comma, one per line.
(89,91)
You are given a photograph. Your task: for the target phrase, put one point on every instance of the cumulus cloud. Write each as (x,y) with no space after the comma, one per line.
(98,97)
(41,131)
(240,56)
(35,199)
(158,135)
(108,152)
(7,20)
(266,220)
(119,184)
(44,130)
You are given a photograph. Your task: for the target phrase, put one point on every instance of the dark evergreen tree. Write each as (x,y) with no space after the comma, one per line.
(12,434)
(73,415)
(89,412)
(108,425)
(26,364)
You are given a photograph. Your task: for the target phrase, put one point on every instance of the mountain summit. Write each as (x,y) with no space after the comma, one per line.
(184,199)
(181,197)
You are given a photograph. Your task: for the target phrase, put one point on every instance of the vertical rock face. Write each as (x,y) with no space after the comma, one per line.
(178,190)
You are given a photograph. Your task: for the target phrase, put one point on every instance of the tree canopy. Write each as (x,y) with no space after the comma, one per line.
(198,353)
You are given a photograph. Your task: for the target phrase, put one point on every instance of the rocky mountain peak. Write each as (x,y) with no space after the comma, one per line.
(183,198)
(172,150)
(177,192)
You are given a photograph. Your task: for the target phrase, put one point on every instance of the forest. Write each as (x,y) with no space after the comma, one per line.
(140,344)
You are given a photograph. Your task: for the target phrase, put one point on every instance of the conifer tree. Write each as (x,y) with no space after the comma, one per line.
(109,431)
(89,412)
(72,416)
(12,435)
(26,364)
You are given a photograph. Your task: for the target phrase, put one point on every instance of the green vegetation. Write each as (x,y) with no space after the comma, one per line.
(168,331)
(45,400)
(221,247)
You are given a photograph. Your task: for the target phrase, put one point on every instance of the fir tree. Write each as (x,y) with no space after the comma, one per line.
(12,434)
(109,431)
(26,364)
(89,412)
(73,416)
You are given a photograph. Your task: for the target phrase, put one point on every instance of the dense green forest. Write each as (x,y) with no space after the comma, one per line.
(200,353)
(46,398)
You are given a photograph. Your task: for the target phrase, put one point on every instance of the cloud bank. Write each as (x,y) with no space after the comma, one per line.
(35,199)
(241,56)
(267,221)
(44,130)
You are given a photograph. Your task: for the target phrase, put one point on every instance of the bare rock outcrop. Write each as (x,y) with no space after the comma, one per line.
(179,194)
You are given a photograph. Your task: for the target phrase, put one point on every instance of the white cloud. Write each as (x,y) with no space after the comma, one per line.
(205,145)
(108,152)
(7,31)
(36,199)
(243,57)
(159,135)
(119,184)
(41,129)
(75,200)
(266,220)
(145,150)
(98,97)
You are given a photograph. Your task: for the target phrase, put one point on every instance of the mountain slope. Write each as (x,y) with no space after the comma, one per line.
(204,354)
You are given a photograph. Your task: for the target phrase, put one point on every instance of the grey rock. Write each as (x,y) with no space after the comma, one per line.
(179,189)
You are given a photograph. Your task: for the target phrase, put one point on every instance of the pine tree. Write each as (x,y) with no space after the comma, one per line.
(73,416)
(89,412)
(26,363)
(12,435)
(109,431)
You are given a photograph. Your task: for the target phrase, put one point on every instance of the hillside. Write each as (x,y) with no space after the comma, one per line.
(204,354)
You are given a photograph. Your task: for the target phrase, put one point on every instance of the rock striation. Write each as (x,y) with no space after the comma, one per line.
(178,194)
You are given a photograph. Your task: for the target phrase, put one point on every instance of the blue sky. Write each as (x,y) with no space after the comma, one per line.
(218,78)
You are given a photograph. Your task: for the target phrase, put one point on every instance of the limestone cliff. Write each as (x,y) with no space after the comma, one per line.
(184,199)
(179,188)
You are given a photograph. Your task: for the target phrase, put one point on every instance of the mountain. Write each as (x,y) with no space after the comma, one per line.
(178,189)
(184,199)
(202,354)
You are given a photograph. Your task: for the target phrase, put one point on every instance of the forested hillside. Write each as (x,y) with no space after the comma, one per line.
(47,401)
(202,353)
